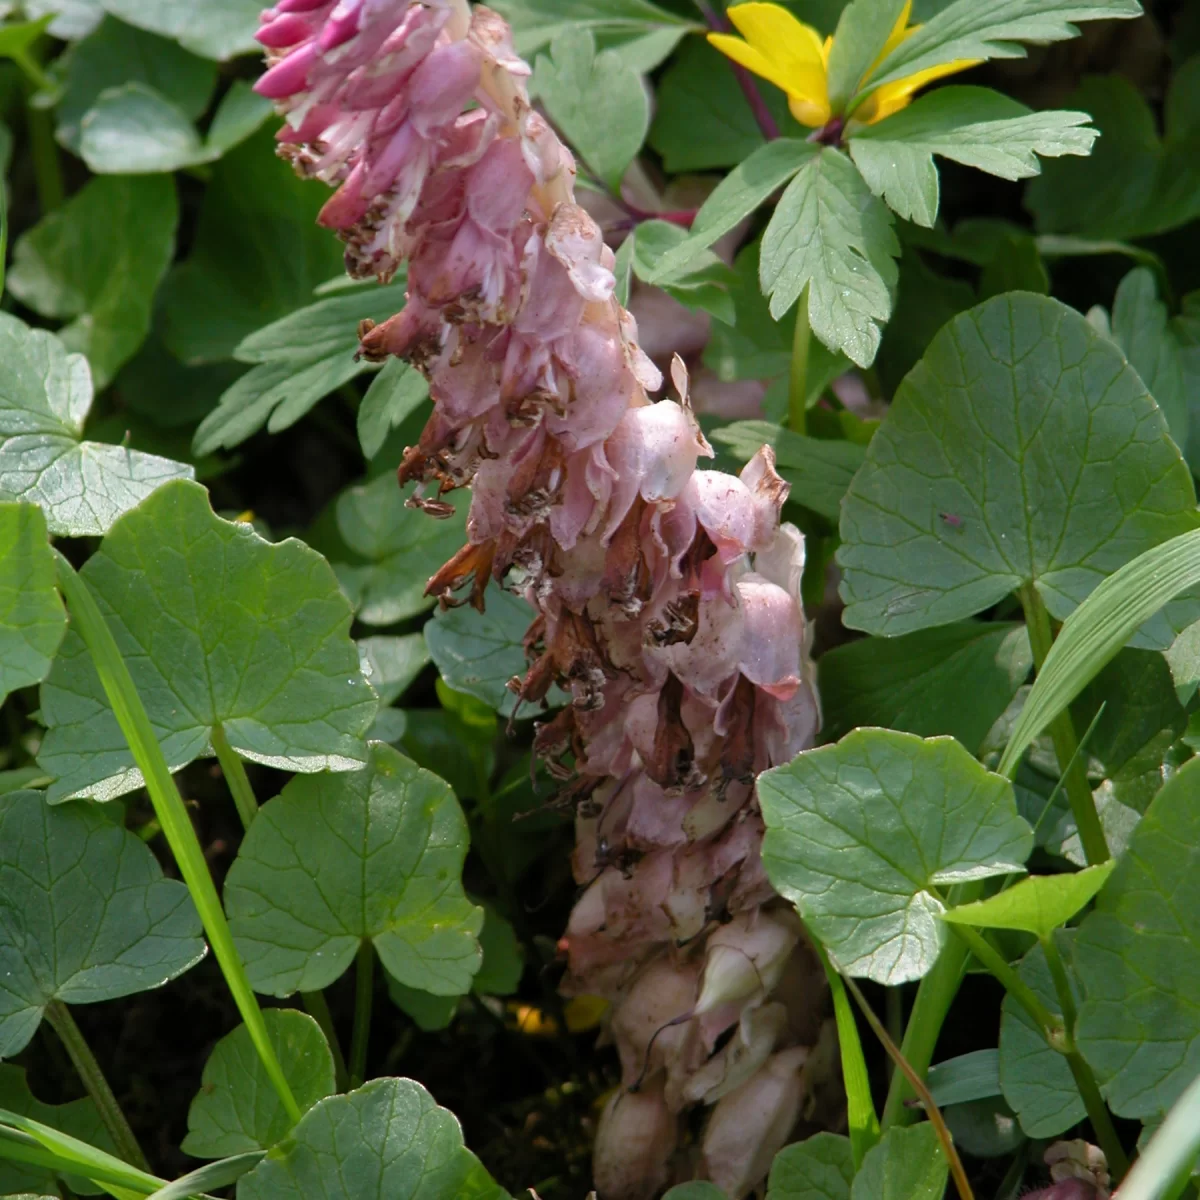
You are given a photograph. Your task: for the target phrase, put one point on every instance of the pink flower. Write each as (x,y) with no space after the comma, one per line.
(667,597)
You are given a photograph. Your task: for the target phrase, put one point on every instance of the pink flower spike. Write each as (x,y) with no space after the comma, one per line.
(289,75)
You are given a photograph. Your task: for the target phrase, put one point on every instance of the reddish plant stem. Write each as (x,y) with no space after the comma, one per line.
(762,114)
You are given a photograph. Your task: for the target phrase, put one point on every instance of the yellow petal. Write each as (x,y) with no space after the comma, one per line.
(585,1012)
(812,113)
(892,97)
(778,34)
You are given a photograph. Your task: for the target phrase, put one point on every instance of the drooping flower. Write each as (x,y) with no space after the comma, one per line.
(666,598)
(780,48)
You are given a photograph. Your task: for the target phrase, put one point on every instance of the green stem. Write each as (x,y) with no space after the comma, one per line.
(860,1108)
(317,1008)
(1062,732)
(72,1038)
(234,771)
(127,707)
(364,992)
(934,996)
(47,167)
(1085,1081)
(798,378)
(1050,1023)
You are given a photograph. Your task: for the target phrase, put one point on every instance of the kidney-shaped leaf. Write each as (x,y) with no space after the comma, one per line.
(218,626)
(85,914)
(32,621)
(45,396)
(1138,958)
(237,1108)
(864,836)
(386,1141)
(1021,449)
(335,860)
(819,1168)
(908,1164)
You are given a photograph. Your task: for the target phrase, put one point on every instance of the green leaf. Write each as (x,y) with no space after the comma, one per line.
(1141,328)
(134,130)
(209,1177)
(237,1109)
(702,120)
(908,1164)
(862,32)
(45,396)
(1138,959)
(536,23)
(819,1168)
(864,836)
(403,545)
(747,186)
(1036,1081)
(969,30)
(829,234)
(335,860)
(973,126)
(155,372)
(972,1076)
(1038,905)
(257,255)
(430,1013)
(702,285)
(97,262)
(86,913)
(696,1190)
(80,1118)
(985,1128)
(1136,183)
(478,653)
(503,966)
(72,18)
(1021,449)
(597,100)
(386,1141)
(116,54)
(395,394)
(218,29)
(956,680)
(390,664)
(32,621)
(298,361)
(818,471)
(1097,630)
(218,626)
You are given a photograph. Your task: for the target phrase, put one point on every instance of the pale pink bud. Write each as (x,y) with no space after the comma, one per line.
(746,958)
(635,1139)
(752,1124)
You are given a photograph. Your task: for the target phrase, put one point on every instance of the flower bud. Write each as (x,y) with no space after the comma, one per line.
(746,958)
(634,1142)
(752,1124)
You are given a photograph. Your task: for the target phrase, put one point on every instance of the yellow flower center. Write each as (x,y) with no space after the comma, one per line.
(780,48)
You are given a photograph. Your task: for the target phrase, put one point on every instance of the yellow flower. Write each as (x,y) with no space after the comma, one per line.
(792,56)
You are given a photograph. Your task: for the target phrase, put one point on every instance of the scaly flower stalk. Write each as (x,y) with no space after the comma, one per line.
(667,598)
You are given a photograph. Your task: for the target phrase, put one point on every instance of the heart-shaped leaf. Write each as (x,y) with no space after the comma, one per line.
(1022,449)
(237,1108)
(45,396)
(1034,1078)
(85,914)
(1138,959)
(219,627)
(386,1141)
(819,1168)
(907,1164)
(864,836)
(79,1118)
(403,546)
(32,621)
(336,860)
